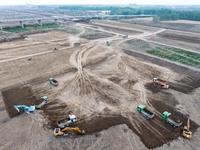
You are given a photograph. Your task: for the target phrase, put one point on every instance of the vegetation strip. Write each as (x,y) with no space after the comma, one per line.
(18,29)
(178,55)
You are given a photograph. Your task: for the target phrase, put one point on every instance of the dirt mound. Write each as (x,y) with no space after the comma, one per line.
(153,87)
(12,38)
(55,112)
(99,123)
(162,106)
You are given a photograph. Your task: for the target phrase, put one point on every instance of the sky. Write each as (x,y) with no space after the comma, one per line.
(152,2)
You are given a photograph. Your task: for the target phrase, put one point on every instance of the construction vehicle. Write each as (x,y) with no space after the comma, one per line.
(125,36)
(27,109)
(166,116)
(186,130)
(53,82)
(45,100)
(70,120)
(163,84)
(76,44)
(108,43)
(145,112)
(67,130)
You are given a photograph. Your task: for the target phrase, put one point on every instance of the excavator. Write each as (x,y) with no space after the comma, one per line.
(65,131)
(163,84)
(186,130)
(27,109)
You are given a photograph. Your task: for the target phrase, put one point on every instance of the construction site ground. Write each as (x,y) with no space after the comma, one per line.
(102,85)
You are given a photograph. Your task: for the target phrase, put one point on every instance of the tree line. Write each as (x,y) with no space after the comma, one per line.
(162,14)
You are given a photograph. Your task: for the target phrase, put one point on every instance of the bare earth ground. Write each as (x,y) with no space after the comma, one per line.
(178,39)
(182,21)
(176,25)
(102,85)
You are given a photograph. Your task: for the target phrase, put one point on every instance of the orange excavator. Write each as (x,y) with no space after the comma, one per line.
(186,130)
(160,82)
(65,131)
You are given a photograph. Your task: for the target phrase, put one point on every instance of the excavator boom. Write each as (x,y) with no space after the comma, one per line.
(71,129)
(188,124)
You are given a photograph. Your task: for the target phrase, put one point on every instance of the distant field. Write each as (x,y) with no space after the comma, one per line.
(173,54)
(18,29)
(1,33)
(72,30)
(93,34)
(178,55)
(183,21)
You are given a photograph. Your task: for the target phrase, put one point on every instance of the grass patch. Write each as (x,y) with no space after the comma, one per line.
(49,26)
(170,53)
(1,33)
(181,56)
(16,29)
(31,27)
(94,36)
(72,30)
(187,53)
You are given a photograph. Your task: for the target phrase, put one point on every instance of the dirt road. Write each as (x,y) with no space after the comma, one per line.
(103,86)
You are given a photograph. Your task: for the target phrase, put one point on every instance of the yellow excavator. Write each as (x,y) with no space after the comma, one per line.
(186,130)
(163,84)
(66,130)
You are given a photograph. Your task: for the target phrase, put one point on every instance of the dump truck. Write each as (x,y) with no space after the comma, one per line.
(67,130)
(166,116)
(53,81)
(70,120)
(145,112)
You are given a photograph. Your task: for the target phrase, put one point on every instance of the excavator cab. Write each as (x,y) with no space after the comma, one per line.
(58,132)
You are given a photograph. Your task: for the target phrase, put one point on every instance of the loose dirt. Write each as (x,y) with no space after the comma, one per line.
(102,85)
(18,96)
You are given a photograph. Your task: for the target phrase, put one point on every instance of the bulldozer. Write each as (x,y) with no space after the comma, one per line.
(160,82)
(65,131)
(186,130)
